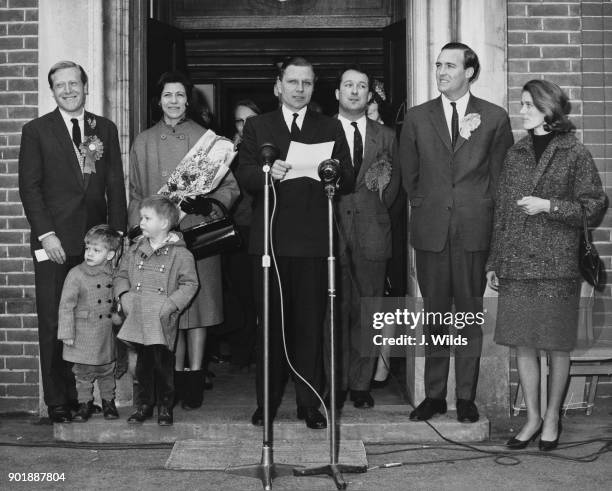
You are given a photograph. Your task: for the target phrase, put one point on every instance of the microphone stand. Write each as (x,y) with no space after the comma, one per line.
(333,469)
(266,470)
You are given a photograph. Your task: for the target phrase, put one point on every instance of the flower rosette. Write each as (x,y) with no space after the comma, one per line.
(378,176)
(91,150)
(469,123)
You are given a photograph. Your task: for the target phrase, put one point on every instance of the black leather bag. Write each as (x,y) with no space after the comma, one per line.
(591,266)
(209,238)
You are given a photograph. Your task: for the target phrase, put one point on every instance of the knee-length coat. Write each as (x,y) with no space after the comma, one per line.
(154,155)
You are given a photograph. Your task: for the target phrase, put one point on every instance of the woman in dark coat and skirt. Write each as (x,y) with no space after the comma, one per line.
(548,179)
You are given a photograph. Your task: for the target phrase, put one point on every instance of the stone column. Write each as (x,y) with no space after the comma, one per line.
(482,25)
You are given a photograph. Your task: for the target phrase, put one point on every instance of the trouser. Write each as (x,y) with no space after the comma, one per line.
(304,300)
(155,376)
(86,375)
(240,314)
(355,353)
(57,377)
(453,273)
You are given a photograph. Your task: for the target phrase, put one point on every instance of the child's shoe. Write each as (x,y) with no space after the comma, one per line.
(109,409)
(164,416)
(141,414)
(83,413)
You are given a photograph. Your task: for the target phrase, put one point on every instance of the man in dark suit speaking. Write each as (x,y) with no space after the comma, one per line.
(299,237)
(451,152)
(70,179)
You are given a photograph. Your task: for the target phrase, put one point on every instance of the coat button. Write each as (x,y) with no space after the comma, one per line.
(181,137)
(99,301)
(108,315)
(109,286)
(99,286)
(160,290)
(109,301)
(163,137)
(100,316)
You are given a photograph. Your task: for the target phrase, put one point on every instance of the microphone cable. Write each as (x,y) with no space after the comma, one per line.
(282,311)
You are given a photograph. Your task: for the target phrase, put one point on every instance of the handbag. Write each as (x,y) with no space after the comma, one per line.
(590,264)
(209,238)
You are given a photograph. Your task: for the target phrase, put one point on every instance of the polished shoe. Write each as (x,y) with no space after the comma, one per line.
(548,445)
(141,414)
(362,399)
(516,444)
(428,408)
(83,413)
(59,414)
(109,409)
(467,411)
(258,417)
(313,417)
(164,416)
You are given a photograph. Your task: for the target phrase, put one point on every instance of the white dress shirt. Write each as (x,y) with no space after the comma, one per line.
(349,131)
(462,103)
(288,115)
(67,121)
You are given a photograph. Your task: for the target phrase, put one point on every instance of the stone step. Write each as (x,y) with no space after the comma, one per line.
(381,424)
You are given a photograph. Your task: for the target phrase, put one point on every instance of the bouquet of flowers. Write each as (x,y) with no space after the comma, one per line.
(378,176)
(201,170)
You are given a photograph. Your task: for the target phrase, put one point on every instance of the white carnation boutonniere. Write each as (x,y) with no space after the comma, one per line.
(91,150)
(469,123)
(378,176)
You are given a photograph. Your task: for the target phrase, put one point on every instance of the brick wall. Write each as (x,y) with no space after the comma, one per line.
(18,104)
(565,42)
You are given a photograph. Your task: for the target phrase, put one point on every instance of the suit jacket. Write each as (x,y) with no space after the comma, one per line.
(447,186)
(55,194)
(300,223)
(363,208)
(544,246)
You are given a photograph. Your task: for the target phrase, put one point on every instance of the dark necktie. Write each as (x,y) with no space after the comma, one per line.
(357,149)
(454,124)
(295,130)
(76,132)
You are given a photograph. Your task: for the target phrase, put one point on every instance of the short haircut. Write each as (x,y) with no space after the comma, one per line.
(163,206)
(356,67)
(105,235)
(470,58)
(60,65)
(248,103)
(174,78)
(294,61)
(553,102)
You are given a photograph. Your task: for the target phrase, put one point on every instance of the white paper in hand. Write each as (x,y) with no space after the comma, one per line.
(305,159)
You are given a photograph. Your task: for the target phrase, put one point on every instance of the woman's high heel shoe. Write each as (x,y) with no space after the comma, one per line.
(516,444)
(548,445)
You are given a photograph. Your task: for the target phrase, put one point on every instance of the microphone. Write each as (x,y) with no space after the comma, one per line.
(268,153)
(329,173)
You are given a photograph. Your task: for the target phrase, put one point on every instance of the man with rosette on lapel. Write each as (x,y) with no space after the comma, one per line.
(451,153)
(70,179)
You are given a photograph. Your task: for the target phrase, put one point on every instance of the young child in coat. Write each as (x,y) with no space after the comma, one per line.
(85,325)
(156,281)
